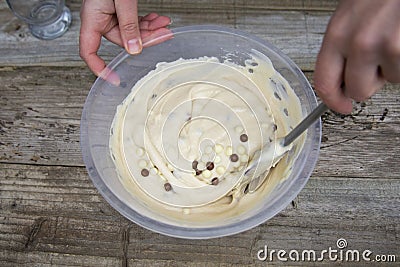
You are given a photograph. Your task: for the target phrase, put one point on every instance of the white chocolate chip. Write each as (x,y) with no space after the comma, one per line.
(153,171)
(228,151)
(238,129)
(217,159)
(221,170)
(218,148)
(241,150)
(206,174)
(142,163)
(201,166)
(186,211)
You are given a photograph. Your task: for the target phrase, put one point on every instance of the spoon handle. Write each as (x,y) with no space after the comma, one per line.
(296,132)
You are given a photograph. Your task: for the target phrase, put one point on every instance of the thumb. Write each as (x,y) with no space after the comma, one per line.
(127,15)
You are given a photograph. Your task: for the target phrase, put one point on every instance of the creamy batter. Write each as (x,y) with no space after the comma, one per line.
(183,138)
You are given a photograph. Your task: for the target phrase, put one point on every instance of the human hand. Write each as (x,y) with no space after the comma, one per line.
(360,52)
(119,23)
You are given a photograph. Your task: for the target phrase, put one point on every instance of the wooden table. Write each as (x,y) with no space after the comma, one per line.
(51,214)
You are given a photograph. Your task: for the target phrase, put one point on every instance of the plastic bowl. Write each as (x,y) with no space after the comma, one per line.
(190,42)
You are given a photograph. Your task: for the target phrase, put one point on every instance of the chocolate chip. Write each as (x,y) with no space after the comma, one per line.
(167,187)
(234,157)
(198,172)
(275,127)
(215,181)
(210,165)
(144,172)
(244,138)
(286,111)
(277,96)
(194,164)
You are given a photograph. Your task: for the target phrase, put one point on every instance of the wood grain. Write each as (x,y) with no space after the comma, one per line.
(55,210)
(52,215)
(297,30)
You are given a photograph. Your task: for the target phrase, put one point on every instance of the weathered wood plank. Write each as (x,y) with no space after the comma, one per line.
(38,258)
(364,211)
(41,113)
(298,32)
(51,214)
(360,144)
(154,5)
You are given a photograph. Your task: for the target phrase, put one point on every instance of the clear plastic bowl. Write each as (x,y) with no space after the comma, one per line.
(189,42)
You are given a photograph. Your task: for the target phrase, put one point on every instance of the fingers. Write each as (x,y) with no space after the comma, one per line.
(153,22)
(114,36)
(362,77)
(129,25)
(118,22)
(391,64)
(151,38)
(89,43)
(150,16)
(152,30)
(328,78)
(95,20)
(391,71)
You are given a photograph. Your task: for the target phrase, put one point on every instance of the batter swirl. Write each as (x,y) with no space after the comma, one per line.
(182,138)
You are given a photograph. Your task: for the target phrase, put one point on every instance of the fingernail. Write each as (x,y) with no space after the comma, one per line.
(170,22)
(134,46)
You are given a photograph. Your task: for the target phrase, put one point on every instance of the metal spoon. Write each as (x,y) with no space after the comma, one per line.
(281,146)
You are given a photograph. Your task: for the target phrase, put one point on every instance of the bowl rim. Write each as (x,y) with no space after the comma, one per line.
(202,232)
